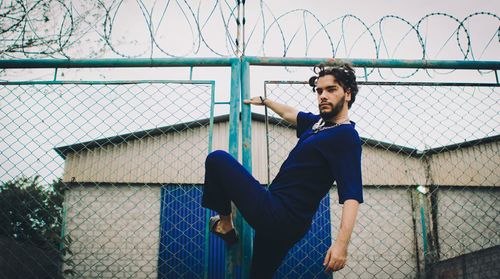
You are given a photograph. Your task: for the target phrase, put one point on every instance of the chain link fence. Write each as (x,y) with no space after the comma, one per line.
(430,174)
(103,180)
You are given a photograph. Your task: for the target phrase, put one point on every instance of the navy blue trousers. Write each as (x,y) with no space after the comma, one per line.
(276,232)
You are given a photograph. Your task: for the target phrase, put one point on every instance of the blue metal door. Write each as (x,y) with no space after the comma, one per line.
(183,251)
(306,258)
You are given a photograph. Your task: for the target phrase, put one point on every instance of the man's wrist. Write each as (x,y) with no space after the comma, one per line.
(341,244)
(342,241)
(263,100)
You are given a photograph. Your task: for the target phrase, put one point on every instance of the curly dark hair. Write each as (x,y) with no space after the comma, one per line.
(344,74)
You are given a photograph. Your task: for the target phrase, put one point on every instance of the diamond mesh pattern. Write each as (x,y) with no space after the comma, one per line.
(114,145)
(442,137)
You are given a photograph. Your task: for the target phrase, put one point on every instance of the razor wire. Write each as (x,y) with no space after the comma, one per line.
(430,171)
(91,29)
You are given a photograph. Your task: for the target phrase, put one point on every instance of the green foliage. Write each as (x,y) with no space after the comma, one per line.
(33,213)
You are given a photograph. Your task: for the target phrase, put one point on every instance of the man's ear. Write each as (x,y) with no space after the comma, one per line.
(348,96)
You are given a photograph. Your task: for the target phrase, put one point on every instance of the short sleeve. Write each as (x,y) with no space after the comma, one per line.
(344,160)
(305,121)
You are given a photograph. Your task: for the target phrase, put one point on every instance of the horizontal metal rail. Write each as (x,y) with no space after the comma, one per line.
(107,82)
(252,60)
(376,63)
(397,83)
(117,63)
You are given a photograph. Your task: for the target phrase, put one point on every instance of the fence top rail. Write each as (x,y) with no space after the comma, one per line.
(107,82)
(118,63)
(253,60)
(395,83)
(375,63)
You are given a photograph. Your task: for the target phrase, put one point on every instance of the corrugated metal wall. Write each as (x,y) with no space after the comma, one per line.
(182,251)
(169,158)
(305,259)
(380,167)
(470,166)
(145,160)
(182,236)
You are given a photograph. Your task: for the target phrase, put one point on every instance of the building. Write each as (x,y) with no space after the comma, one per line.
(132,208)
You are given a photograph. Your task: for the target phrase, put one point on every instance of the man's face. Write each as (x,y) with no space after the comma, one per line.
(331,97)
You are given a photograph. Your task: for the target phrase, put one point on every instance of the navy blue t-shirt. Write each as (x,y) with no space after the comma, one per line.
(315,163)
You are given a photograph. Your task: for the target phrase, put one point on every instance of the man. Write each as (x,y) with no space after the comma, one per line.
(328,150)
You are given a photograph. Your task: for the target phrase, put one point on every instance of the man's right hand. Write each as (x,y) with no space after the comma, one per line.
(284,111)
(336,257)
(255,101)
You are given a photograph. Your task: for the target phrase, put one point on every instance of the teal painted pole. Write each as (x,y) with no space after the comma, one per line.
(63,225)
(55,74)
(233,262)
(424,228)
(63,234)
(116,63)
(114,82)
(212,108)
(376,63)
(207,211)
(246,150)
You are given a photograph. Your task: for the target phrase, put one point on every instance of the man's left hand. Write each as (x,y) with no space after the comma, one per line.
(336,257)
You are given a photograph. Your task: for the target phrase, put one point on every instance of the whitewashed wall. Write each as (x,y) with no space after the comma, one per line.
(468,220)
(383,239)
(115,231)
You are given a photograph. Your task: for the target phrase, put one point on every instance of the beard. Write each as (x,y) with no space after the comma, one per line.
(328,115)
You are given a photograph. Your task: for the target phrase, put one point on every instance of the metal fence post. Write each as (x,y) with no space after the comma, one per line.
(233,258)
(246,149)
